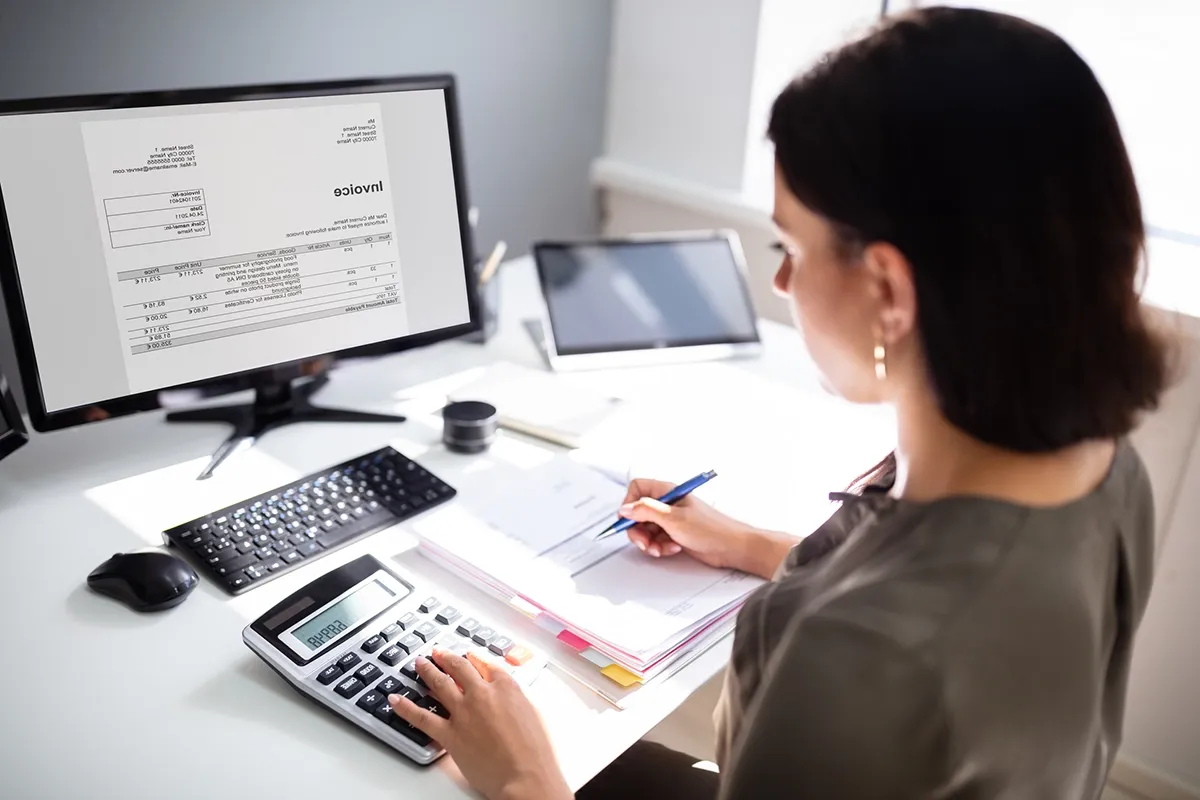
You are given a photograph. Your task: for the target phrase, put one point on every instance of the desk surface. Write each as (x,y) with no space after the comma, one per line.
(104,702)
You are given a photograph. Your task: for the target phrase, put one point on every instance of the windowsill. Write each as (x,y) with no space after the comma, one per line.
(1173,282)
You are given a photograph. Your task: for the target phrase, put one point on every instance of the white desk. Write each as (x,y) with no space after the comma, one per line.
(103,702)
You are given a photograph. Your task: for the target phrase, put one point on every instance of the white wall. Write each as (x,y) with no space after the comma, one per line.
(679,86)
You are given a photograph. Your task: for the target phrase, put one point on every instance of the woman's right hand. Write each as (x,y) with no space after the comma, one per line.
(689,526)
(694,527)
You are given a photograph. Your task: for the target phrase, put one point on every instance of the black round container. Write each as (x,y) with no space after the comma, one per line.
(469,426)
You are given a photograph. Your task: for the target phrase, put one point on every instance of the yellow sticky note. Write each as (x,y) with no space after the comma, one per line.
(620,675)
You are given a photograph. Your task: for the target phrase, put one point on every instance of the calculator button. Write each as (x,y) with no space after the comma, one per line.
(468,626)
(329,674)
(392,656)
(373,644)
(349,660)
(429,604)
(368,672)
(408,620)
(427,631)
(371,701)
(390,632)
(518,655)
(384,714)
(349,687)
(430,703)
(483,637)
(389,685)
(447,615)
(403,727)
(411,643)
(409,671)
(501,645)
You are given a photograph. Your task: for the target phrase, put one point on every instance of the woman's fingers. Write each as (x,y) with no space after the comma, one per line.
(440,684)
(458,668)
(419,718)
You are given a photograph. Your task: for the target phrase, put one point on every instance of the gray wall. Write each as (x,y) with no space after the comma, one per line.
(532,77)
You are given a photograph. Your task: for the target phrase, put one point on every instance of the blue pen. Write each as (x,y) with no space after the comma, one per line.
(670,498)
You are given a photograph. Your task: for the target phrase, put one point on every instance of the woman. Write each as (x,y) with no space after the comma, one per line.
(962,236)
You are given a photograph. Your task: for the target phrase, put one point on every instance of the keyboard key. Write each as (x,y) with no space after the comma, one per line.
(371,701)
(368,673)
(234,565)
(392,656)
(348,661)
(245,546)
(333,538)
(275,564)
(329,674)
(429,604)
(447,615)
(256,571)
(384,713)
(468,626)
(195,542)
(298,538)
(373,644)
(309,548)
(262,540)
(483,637)
(501,645)
(518,655)
(411,643)
(408,620)
(391,632)
(291,557)
(236,582)
(430,703)
(349,687)
(428,631)
(389,685)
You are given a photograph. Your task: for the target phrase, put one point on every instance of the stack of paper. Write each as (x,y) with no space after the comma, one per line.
(529,537)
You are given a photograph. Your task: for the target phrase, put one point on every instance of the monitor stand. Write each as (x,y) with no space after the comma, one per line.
(274,406)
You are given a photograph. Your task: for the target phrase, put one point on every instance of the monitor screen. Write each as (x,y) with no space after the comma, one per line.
(641,295)
(172,244)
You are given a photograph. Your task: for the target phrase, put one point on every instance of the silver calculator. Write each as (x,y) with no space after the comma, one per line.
(351,637)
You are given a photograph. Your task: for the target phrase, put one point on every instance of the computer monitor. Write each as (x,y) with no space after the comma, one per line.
(12,430)
(238,237)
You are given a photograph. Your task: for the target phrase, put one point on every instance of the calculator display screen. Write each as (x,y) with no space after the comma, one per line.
(331,622)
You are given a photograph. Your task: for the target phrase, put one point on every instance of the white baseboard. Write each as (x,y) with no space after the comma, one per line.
(1138,780)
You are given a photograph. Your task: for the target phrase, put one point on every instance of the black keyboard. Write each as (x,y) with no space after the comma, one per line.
(248,544)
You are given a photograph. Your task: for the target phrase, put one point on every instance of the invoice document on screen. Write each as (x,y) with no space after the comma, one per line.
(533,531)
(235,240)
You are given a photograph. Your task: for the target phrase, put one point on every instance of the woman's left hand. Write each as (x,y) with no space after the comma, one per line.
(493,733)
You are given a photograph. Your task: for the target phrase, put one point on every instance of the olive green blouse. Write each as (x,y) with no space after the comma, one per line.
(962,648)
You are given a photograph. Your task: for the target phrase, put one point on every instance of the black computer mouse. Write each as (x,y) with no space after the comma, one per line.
(148,580)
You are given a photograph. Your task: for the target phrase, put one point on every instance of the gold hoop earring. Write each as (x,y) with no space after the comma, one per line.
(880,361)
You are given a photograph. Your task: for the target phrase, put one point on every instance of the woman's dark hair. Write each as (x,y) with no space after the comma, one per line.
(984,149)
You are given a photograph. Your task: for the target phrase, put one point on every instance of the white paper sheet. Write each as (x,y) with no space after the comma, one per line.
(533,532)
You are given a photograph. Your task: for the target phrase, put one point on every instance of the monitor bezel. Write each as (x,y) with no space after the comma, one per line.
(44,420)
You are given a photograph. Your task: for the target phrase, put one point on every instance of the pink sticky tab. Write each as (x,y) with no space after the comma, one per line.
(568,638)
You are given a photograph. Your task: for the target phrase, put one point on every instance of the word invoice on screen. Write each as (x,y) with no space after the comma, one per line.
(240,239)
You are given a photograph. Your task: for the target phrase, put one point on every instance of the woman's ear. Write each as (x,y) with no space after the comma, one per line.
(891,285)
